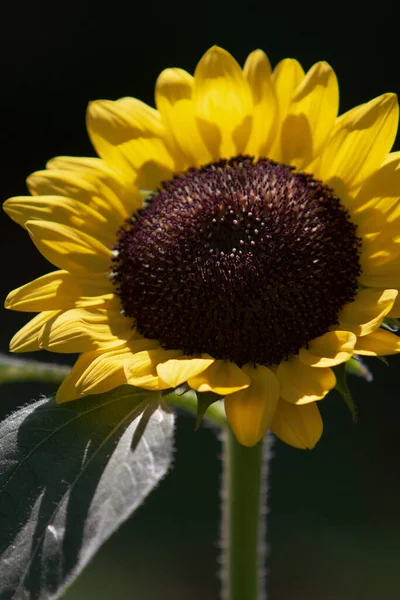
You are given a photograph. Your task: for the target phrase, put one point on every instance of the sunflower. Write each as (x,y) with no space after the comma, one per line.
(241,239)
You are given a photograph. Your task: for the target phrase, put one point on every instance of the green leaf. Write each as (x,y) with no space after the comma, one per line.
(343,389)
(204,401)
(214,411)
(68,479)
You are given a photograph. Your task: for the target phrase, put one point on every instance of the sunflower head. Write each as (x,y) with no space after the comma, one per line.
(240,239)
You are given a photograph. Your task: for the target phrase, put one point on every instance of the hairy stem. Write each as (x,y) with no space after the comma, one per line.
(244,509)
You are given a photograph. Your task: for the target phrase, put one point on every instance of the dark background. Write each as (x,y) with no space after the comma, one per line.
(334,526)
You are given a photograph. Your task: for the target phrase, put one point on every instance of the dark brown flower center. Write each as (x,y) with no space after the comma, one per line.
(244,260)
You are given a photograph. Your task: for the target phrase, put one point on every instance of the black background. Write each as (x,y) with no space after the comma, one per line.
(334,526)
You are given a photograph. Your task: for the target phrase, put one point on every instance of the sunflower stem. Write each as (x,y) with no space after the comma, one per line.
(244,510)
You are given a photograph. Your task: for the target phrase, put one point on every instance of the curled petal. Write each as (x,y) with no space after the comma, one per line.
(329,350)
(143,368)
(301,384)
(222,377)
(367,311)
(178,370)
(378,343)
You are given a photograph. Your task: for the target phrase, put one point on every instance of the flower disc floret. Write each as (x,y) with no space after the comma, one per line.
(244,260)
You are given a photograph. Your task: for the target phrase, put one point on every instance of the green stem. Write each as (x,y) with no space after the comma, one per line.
(244,512)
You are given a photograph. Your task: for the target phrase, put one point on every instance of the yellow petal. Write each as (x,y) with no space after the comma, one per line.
(378,343)
(250,411)
(301,384)
(299,426)
(222,97)
(286,77)
(59,209)
(90,191)
(222,377)
(360,141)
(395,310)
(367,312)
(378,198)
(143,368)
(132,143)
(179,370)
(329,350)
(311,115)
(95,373)
(381,254)
(89,180)
(85,329)
(27,339)
(386,278)
(59,290)
(174,89)
(257,70)
(68,248)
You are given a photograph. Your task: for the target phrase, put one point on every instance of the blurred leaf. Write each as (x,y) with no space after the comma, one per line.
(383,360)
(343,389)
(68,479)
(356,366)
(14,369)
(392,325)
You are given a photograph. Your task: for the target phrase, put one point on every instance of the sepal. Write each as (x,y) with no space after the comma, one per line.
(343,389)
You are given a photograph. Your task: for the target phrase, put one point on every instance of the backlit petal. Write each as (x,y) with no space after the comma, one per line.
(360,141)
(257,70)
(286,77)
(222,98)
(250,411)
(299,426)
(132,143)
(311,115)
(174,90)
